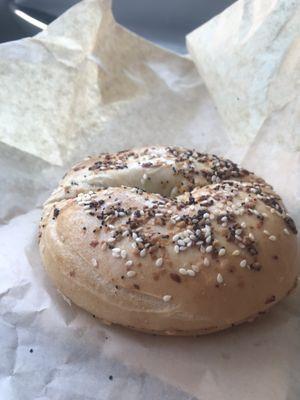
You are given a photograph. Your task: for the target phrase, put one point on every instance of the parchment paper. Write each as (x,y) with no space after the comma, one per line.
(87,85)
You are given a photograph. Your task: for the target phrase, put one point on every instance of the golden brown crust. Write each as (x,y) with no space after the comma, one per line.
(199,262)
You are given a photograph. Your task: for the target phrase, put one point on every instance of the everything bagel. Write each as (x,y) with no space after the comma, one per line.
(168,240)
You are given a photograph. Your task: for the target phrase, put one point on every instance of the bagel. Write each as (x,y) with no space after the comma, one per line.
(168,240)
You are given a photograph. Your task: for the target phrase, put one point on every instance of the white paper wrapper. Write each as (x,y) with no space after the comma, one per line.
(87,85)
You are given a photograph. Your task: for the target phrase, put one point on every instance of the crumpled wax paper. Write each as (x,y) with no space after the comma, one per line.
(87,85)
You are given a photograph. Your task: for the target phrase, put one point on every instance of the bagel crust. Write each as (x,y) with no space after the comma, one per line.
(168,240)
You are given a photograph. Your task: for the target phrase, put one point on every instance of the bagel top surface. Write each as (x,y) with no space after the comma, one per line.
(217,250)
(168,171)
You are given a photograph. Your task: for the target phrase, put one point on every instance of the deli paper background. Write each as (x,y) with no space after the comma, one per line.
(87,85)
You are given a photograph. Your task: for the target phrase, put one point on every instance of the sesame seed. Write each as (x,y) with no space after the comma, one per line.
(222,252)
(243,224)
(273,238)
(190,272)
(159,262)
(220,278)
(236,253)
(286,231)
(266,232)
(116,250)
(111,240)
(251,236)
(145,176)
(104,246)
(272,210)
(176,248)
(206,215)
(175,238)
(224,219)
(180,242)
(86,207)
(125,233)
(134,245)
(130,274)
(238,231)
(243,263)
(208,249)
(134,235)
(206,262)
(208,239)
(143,253)
(182,271)
(167,297)
(195,268)
(123,253)
(94,262)
(111,226)
(129,263)
(241,245)
(139,240)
